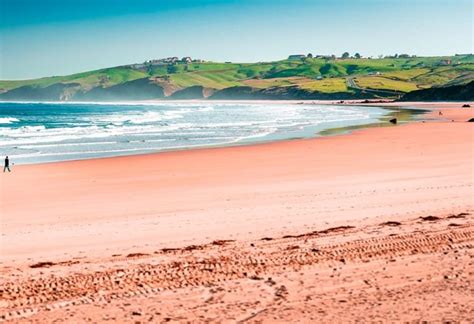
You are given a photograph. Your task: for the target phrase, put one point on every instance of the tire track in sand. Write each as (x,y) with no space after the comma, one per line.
(22,298)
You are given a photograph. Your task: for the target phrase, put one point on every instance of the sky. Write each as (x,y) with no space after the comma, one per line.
(57,37)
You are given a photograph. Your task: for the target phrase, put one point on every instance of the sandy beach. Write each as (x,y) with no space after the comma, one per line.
(376,225)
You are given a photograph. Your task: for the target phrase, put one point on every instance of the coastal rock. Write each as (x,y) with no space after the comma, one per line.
(194,92)
(284,93)
(458,92)
(140,89)
(55,92)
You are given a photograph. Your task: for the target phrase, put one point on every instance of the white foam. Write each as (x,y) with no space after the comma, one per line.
(158,126)
(8,120)
(36,146)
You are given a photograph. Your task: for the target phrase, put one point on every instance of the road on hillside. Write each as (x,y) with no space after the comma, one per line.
(352,84)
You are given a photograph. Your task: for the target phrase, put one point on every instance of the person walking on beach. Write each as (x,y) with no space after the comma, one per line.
(7,165)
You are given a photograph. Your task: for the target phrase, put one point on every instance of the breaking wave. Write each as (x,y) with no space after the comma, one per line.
(45,132)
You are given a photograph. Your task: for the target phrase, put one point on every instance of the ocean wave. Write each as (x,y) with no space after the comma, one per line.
(40,134)
(84,130)
(38,146)
(136,117)
(8,120)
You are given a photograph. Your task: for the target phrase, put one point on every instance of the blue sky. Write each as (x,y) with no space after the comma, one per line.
(57,37)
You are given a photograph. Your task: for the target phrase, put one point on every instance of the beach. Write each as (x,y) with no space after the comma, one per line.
(375,225)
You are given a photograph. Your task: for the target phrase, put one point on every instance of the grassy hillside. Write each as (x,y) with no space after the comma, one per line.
(326,76)
(104,77)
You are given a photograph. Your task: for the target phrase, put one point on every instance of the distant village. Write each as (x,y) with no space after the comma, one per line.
(165,61)
(187,59)
(346,55)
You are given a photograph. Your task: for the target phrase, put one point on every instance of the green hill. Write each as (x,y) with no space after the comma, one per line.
(307,78)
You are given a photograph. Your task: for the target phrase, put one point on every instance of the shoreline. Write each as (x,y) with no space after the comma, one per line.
(369,102)
(287,229)
(393,111)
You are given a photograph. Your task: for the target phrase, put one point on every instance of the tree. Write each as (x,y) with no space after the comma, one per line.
(345,55)
(309,55)
(357,55)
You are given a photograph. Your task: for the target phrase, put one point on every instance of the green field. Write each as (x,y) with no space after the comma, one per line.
(384,83)
(311,74)
(328,85)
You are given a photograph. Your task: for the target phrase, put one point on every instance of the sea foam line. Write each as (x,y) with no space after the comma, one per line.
(8,120)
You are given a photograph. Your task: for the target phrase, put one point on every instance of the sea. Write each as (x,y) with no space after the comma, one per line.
(49,132)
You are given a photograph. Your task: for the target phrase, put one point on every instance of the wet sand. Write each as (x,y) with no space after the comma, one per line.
(336,222)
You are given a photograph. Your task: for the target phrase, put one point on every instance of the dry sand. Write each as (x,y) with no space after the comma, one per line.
(340,224)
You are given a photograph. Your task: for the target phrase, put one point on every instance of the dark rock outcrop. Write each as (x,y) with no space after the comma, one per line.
(238,93)
(463,92)
(55,92)
(140,89)
(194,92)
(283,93)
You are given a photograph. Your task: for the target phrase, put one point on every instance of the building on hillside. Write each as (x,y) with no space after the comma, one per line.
(186,59)
(325,57)
(173,59)
(162,61)
(445,62)
(296,57)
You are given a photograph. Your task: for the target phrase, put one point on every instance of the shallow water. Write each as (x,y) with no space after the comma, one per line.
(47,132)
